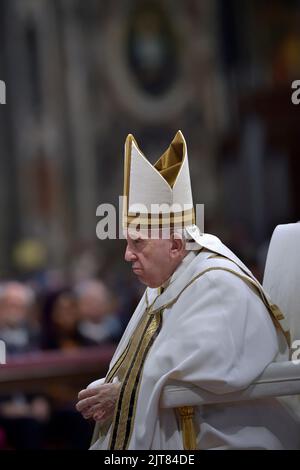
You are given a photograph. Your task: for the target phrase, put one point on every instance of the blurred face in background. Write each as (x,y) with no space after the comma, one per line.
(65,313)
(15,303)
(94,302)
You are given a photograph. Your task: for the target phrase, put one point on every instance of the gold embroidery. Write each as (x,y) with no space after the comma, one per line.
(188,429)
(126,406)
(119,367)
(145,331)
(170,220)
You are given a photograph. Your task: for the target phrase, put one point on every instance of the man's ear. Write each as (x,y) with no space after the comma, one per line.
(177,245)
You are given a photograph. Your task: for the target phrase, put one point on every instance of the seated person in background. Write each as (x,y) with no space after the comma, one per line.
(17,328)
(61,318)
(97,320)
(23,417)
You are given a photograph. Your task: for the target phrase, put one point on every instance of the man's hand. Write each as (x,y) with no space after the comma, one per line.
(98,402)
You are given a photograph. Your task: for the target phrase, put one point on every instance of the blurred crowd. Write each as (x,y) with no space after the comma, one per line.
(62,319)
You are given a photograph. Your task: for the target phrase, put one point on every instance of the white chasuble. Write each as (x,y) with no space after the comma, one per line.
(211,328)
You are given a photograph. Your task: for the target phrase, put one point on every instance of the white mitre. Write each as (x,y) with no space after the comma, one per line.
(159,195)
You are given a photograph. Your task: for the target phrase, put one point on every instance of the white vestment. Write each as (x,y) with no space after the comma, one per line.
(218,335)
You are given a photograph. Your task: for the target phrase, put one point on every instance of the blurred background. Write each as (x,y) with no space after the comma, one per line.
(80,75)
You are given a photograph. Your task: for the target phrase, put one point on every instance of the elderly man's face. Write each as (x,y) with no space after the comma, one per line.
(14,304)
(154,260)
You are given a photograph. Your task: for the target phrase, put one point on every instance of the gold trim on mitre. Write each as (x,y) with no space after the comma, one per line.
(170,163)
(166,184)
(157,221)
(127,163)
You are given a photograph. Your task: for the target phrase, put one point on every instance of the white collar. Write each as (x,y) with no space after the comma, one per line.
(181,267)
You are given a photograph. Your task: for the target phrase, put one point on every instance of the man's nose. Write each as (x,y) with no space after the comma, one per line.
(129,255)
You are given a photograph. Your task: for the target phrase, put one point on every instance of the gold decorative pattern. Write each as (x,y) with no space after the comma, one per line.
(127,369)
(161,220)
(123,421)
(186,414)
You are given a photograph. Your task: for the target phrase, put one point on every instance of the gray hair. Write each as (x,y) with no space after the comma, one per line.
(16,286)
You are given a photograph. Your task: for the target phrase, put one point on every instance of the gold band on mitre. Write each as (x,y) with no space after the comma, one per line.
(170,220)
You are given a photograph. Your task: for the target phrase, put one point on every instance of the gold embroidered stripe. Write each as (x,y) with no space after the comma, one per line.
(160,220)
(126,405)
(137,225)
(159,216)
(121,366)
(113,372)
(136,345)
(123,359)
(100,430)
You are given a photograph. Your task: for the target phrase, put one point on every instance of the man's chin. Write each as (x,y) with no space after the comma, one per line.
(144,281)
(140,278)
(148,283)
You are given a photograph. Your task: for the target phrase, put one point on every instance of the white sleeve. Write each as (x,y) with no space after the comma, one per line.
(96,383)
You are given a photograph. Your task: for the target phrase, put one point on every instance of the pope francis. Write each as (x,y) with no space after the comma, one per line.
(203,320)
